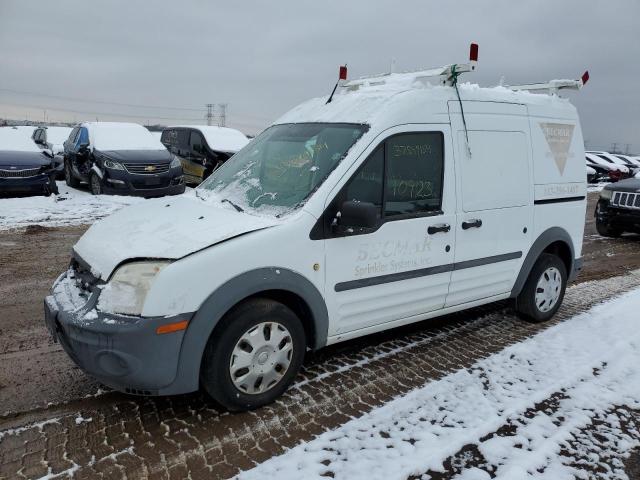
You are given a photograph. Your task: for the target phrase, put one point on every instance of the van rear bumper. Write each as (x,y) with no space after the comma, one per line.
(124,353)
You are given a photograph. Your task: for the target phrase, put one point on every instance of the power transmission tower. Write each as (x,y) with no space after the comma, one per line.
(209,116)
(223,114)
(614,147)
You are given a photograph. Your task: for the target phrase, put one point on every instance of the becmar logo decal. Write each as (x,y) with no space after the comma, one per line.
(558,137)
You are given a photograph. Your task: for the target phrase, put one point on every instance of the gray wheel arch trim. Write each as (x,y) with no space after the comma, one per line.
(229,294)
(546,238)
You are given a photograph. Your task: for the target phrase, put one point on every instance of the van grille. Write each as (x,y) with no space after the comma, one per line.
(27,172)
(147,168)
(626,200)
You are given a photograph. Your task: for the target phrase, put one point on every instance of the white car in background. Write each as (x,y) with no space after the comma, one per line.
(613,170)
(616,160)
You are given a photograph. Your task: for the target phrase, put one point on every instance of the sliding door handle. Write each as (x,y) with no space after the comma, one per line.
(473,223)
(442,227)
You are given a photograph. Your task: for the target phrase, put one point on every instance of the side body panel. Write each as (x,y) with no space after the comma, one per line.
(495,212)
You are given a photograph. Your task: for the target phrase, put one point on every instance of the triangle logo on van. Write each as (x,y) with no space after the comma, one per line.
(558,137)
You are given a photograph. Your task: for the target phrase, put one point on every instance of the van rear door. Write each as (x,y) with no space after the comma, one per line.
(495,197)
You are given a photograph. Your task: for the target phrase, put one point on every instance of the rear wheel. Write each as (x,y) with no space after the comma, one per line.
(95,184)
(70,180)
(543,291)
(253,355)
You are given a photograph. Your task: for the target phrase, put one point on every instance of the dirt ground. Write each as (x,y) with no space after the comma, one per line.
(62,422)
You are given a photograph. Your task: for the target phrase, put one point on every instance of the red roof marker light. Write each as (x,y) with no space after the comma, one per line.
(585,77)
(473,52)
(343,72)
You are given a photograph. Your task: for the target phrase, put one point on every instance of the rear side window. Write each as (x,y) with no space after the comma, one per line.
(196,142)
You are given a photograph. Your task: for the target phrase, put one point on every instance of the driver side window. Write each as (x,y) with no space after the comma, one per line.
(402,178)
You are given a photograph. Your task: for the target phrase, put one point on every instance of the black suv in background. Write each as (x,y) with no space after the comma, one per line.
(202,149)
(618,208)
(121,158)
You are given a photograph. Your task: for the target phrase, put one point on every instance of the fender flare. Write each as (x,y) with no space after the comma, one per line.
(229,294)
(546,238)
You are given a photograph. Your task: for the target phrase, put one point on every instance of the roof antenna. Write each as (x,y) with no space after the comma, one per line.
(341,78)
(473,57)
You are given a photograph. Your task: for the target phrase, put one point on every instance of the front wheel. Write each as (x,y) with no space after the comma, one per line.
(543,291)
(95,183)
(607,230)
(253,355)
(70,180)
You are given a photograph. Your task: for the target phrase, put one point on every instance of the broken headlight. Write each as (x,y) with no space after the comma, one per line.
(126,291)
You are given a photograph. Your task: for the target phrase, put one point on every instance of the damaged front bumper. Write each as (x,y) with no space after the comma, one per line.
(125,353)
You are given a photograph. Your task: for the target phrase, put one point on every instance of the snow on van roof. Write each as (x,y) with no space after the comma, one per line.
(400,98)
(223,139)
(17,139)
(121,136)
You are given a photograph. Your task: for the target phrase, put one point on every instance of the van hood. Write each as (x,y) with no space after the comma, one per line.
(163,228)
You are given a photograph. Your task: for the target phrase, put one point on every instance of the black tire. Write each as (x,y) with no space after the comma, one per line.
(215,375)
(95,184)
(69,179)
(526,305)
(607,230)
(53,187)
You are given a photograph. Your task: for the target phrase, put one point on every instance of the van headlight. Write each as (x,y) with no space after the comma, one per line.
(126,291)
(606,194)
(175,163)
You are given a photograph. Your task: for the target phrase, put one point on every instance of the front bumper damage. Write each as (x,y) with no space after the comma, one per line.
(124,353)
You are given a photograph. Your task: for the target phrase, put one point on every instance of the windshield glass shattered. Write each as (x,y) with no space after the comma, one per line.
(280,169)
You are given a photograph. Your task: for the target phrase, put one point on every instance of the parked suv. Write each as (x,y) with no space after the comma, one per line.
(202,149)
(121,158)
(378,208)
(618,209)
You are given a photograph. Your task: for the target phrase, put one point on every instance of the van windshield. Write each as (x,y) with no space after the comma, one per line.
(280,169)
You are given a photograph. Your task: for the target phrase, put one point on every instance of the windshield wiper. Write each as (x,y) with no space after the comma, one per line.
(238,208)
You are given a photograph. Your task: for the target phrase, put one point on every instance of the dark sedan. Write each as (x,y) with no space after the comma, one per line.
(26,173)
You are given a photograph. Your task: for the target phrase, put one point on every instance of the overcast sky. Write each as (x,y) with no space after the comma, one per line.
(123,60)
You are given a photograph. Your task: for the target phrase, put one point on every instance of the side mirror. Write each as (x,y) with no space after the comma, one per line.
(354,214)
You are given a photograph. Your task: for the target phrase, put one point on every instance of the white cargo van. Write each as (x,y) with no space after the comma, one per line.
(400,198)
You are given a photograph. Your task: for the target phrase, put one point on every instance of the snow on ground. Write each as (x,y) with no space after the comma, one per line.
(70,207)
(584,366)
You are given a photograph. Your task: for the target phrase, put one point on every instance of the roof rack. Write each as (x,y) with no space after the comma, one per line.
(552,87)
(445,75)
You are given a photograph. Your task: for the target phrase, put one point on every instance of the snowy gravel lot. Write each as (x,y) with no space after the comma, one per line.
(71,207)
(474,395)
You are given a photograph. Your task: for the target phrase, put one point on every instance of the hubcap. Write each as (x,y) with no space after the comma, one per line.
(548,289)
(261,358)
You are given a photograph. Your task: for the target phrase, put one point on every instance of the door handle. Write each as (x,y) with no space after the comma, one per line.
(473,223)
(442,227)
